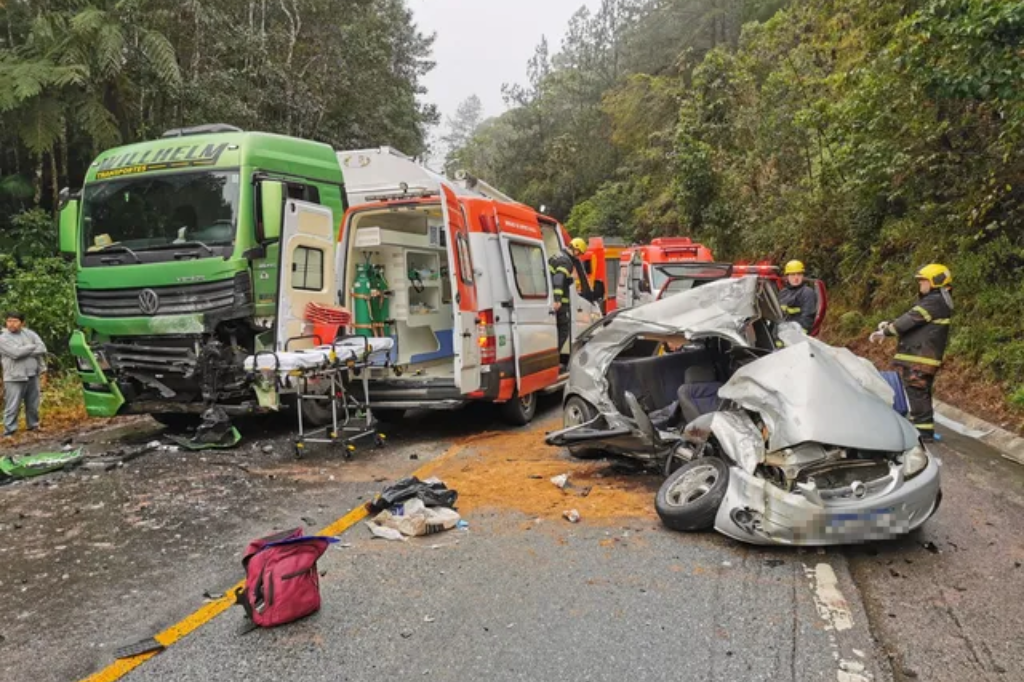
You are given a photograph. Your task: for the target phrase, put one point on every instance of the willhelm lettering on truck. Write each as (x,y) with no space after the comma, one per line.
(469,293)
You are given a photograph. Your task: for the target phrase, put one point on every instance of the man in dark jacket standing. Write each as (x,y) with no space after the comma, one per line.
(22,353)
(923,333)
(799,300)
(561,266)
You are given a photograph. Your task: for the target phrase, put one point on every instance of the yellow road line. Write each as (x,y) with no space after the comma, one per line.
(211,610)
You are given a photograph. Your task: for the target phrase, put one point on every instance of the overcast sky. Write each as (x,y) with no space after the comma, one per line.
(484,43)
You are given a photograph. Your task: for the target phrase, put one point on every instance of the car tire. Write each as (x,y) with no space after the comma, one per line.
(689,499)
(579,411)
(177,421)
(390,415)
(519,411)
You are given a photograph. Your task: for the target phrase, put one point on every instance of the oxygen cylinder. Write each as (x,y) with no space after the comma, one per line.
(361,288)
(380,307)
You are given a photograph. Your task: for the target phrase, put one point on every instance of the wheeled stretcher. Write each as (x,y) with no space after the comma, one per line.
(324,373)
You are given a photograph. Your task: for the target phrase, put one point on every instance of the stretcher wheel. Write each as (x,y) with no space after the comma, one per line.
(300,446)
(380,440)
(349,449)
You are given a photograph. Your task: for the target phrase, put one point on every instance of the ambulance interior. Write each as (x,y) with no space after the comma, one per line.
(411,244)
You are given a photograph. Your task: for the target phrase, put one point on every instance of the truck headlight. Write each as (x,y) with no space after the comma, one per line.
(83,364)
(914,461)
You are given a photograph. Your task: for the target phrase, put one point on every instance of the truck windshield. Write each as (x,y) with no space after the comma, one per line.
(187,209)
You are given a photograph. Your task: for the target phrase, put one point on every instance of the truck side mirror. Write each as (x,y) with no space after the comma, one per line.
(68,227)
(272,195)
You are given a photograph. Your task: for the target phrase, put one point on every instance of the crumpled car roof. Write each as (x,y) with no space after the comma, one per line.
(722,306)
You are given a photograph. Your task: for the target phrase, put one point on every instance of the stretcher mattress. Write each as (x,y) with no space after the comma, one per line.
(319,357)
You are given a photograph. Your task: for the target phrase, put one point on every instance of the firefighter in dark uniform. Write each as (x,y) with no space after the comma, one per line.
(923,333)
(799,300)
(561,266)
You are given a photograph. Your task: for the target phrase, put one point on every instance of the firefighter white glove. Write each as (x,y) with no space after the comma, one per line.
(877,337)
(883,325)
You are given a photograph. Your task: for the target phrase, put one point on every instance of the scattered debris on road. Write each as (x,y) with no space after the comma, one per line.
(571,515)
(137,648)
(215,431)
(28,466)
(432,492)
(563,483)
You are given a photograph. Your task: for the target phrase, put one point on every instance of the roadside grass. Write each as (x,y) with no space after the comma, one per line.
(62,408)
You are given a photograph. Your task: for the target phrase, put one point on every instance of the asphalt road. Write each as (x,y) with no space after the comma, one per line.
(95,560)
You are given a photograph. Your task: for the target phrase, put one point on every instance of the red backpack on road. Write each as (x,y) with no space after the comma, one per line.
(281,580)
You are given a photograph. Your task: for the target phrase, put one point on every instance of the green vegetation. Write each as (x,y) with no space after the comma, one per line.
(867,137)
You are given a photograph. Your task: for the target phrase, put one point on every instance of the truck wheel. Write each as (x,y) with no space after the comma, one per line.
(579,411)
(177,421)
(317,412)
(518,411)
(391,415)
(689,499)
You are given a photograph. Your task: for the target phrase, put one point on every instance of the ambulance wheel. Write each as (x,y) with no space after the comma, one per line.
(578,411)
(177,421)
(518,411)
(391,415)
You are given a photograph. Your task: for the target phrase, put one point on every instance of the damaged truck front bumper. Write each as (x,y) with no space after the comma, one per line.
(758,512)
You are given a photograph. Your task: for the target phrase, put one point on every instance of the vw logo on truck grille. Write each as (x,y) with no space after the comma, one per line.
(149,302)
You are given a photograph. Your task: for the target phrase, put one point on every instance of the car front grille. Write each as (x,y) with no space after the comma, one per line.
(158,301)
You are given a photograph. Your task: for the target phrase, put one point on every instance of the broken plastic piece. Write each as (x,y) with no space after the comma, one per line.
(571,515)
(27,466)
(141,647)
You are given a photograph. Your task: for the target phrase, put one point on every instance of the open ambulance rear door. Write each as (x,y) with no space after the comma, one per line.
(306,271)
(534,330)
(463,279)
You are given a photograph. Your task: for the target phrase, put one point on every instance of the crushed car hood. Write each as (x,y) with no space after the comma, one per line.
(812,392)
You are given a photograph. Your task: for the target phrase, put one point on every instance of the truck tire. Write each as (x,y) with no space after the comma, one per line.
(391,415)
(689,499)
(316,412)
(177,421)
(519,411)
(579,411)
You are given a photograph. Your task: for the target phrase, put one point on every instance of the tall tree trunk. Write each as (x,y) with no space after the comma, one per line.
(54,180)
(37,181)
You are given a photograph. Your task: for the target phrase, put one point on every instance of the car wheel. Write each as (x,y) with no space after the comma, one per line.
(689,499)
(518,411)
(177,421)
(578,411)
(391,415)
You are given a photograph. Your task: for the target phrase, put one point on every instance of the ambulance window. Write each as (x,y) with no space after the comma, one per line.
(465,261)
(307,269)
(530,270)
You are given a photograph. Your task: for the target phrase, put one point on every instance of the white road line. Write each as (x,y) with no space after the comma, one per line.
(834,610)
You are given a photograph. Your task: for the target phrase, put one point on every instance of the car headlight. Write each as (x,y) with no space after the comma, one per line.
(914,461)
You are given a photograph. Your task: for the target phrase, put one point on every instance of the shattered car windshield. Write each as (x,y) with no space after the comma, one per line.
(682,276)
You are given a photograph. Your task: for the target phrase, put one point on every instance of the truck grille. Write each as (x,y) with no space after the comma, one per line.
(160,354)
(156,301)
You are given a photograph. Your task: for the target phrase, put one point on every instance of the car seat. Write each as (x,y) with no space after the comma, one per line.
(699,394)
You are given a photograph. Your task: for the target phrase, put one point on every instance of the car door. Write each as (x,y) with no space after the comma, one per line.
(534,332)
(460,270)
(306,271)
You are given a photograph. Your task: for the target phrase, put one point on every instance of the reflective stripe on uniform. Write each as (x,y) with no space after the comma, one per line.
(791,311)
(931,362)
(943,321)
(923,313)
(925,427)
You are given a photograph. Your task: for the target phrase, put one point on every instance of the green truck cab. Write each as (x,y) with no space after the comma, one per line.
(176,245)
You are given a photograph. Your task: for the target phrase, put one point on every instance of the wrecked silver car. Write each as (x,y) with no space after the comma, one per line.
(767,435)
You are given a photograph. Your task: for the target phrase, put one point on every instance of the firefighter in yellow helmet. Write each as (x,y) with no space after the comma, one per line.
(562,266)
(798,298)
(923,333)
